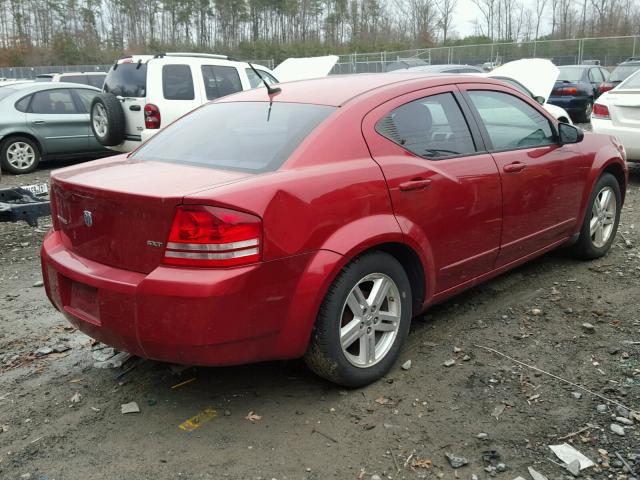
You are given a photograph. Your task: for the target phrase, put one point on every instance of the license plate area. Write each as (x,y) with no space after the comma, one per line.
(40,189)
(83,302)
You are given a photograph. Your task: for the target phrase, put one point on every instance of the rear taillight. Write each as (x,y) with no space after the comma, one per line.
(600,111)
(151,116)
(203,236)
(566,91)
(605,87)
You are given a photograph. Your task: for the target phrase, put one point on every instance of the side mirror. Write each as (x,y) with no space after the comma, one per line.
(569,134)
(539,99)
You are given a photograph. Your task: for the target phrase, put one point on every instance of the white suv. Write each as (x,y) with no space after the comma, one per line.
(143,93)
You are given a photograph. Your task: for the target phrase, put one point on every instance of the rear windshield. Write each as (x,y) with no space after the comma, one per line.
(6,91)
(570,74)
(632,82)
(127,80)
(623,71)
(246,136)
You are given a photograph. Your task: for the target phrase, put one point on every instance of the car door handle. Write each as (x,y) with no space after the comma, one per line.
(415,184)
(39,122)
(514,167)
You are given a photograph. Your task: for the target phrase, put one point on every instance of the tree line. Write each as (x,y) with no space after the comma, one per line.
(54,32)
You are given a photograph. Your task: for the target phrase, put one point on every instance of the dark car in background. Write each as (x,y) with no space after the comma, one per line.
(45,120)
(576,89)
(621,73)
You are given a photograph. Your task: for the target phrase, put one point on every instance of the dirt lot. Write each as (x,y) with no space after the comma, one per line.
(400,427)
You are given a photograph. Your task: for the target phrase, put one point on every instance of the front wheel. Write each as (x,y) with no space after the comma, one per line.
(601,220)
(19,155)
(362,322)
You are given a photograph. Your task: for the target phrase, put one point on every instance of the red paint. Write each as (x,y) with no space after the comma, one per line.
(344,190)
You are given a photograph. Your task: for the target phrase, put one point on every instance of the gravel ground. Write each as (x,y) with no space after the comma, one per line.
(60,418)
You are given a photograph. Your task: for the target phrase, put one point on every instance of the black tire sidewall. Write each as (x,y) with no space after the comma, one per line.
(115,119)
(585,247)
(4,147)
(328,322)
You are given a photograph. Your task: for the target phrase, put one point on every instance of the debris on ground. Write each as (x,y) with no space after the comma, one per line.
(198,420)
(449,363)
(536,475)
(406,365)
(115,361)
(617,429)
(253,417)
(76,398)
(182,384)
(131,407)
(569,455)
(456,461)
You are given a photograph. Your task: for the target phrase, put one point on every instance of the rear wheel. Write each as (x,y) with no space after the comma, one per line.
(585,116)
(19,155)
(601,219)
(362,322)
(107,119)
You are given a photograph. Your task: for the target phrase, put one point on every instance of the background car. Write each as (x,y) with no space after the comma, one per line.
(617,112)
(577,88)
(317,222)
(620,73)
(45,120)
(95,79)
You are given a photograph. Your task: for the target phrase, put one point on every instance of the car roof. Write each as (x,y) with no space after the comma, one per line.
(337,90)
(580,66)
(37,86)
(436,68)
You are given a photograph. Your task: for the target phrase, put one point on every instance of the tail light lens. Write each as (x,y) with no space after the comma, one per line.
(203,236)
(600,111)
(151,116)
(567,91)
(605,87)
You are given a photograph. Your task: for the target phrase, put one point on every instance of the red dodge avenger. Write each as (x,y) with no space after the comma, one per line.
(317,221)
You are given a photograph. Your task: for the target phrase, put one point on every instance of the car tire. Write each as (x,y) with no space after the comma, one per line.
(19,155)
(585,115)
(601,219)
(356,350)
(107,119)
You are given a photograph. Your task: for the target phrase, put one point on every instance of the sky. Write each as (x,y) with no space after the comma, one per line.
(465,14)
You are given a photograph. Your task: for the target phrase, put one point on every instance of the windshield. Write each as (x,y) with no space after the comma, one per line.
(127,80)
(245,136)
(633,82)
(570,74)
(623,71)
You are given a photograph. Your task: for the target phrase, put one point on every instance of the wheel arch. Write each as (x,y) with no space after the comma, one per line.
(615,169)
(28,135)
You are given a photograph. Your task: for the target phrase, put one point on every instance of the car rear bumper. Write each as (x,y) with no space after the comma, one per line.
(573,105)
(185,315)
(629,136)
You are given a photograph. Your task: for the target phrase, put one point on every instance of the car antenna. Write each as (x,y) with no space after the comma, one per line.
(270,90)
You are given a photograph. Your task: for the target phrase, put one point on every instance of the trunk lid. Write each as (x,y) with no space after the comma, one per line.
(537,74)
(624,107)
(119,212)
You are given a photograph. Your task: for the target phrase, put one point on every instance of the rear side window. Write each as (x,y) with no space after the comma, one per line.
(96,80)
(432,127)
(605,74)
(595,76)
(510,122)
(220,81)
(53,102)
(177,82)
(74,79)
(255,81)
(23,104)
(86,97)
(246,136)
(127,80)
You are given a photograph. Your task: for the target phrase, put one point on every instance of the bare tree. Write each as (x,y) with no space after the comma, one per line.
(447,9)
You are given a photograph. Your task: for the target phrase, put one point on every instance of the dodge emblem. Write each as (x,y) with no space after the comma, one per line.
(88,219)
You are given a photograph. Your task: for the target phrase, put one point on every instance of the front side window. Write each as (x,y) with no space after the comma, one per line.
(53,102)
(220,81)
(177,82)
(245,136)
(510,122)
(255,81)
(595,76)
(432,127)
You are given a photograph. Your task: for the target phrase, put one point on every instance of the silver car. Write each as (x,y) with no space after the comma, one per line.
(45,120)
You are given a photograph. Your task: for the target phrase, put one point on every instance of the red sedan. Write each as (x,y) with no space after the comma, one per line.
(317,221)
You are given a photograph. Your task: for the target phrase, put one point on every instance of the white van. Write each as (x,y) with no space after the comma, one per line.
(143,93)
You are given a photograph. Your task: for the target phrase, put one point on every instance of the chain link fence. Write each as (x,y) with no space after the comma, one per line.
(609,51)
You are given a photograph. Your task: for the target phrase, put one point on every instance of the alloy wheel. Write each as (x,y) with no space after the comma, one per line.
(21,155)
(370,320)
(603,217)
(99,119)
